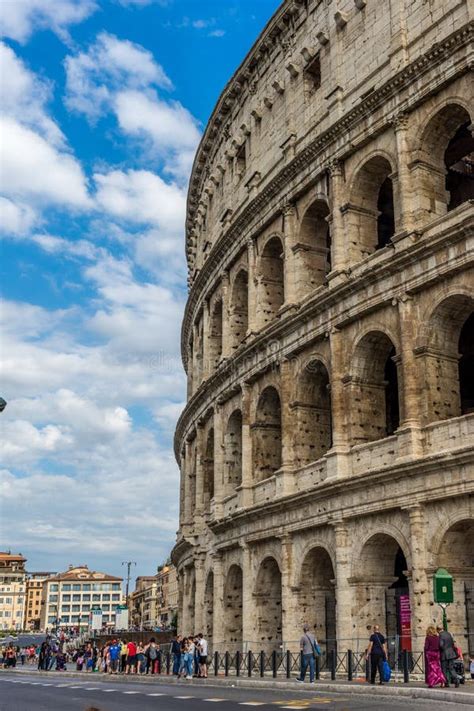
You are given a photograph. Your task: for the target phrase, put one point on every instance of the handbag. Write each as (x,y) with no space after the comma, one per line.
(315,647)
(386,671)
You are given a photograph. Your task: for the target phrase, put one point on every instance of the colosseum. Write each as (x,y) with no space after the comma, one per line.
(326,448)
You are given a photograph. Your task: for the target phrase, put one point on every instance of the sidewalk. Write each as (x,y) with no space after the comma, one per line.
(412,690)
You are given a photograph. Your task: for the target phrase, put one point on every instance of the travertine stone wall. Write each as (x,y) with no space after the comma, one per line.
(326,449)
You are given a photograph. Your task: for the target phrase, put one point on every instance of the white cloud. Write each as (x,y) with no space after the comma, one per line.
(32,167)
(109,65)
(216,33)
(20,18)
(142,197)
(16,218)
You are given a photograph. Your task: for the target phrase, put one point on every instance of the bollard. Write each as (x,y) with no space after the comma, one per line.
(406,668)
(216,663)
(250,664)
(288,664)
(349,665)
(274,664)
(168,662)
(237,663)
(226,664)
(262,663)
(318,667)
(333,664)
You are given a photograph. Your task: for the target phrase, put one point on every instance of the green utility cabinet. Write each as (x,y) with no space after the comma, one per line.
(443,587)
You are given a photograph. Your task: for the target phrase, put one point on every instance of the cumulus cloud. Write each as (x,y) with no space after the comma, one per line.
(20,18)
(16,218)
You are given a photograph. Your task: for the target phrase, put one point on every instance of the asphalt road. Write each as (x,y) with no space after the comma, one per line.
(56,694)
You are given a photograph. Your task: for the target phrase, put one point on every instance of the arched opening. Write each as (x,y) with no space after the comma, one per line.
(239,310)
(313,251)
(233,453)
(382,590)
(443,171)
(271,288)
(215,336)
(371,212)
(375,409)
(266,435)
(208,470)
(459,163)
(447,360)
(466,366)
(198,352)
(268,605)
(313,413)
(317,598)
(190,600)
(208,607)
(233,593)
(456,553)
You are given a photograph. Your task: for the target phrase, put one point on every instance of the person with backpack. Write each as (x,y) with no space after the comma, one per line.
(153,657)
(377,653)
(309,650)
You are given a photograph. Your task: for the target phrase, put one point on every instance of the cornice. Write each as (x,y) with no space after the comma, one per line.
(421,245)
(315,149)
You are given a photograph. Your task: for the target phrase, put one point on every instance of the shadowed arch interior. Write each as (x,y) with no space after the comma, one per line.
(233,594)
(233,453)
(209,606)
(268,603)
(313,251)
(215,336)
(266,435)
(208,469)
(239,309)
(313,413)
(317,599)
(271,294)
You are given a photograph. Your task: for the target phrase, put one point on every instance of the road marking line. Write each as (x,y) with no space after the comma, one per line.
(215,700)
(75,687)
(253,703)
(108,691)
(156,694)
(46,684)
(91,688)
(183,697)
(131,692)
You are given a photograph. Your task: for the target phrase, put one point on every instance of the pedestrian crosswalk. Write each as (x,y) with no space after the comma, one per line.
(281,704)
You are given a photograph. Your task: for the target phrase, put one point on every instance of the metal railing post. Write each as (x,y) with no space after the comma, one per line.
(250,663)
(216,663)
(349,665)
(262,663)
(406,668)
(237,663)
(274,664)
(333,664)
(226,664)
(288,664)
(318,667)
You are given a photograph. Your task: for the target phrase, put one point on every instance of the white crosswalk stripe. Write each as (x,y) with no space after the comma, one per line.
(156,694)
(216,701)
(131,692)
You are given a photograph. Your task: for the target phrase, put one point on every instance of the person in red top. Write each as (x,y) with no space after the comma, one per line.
(131,658)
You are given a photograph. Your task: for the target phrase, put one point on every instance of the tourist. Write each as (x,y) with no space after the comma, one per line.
(131,658)
(377,653)
(448,656)
(113,657)
(308,646)
(203,649)
(153,657)
(141,659)
(176,652)
(189,649)
(434,673)
(123,656)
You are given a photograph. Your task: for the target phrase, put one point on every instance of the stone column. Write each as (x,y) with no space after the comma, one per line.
(344,593)
(338,461)
(252,287)
(218,461)
(188,503)
(206,365)
(420,585)
(218,602)
(226,340)
(290,233)
(200,454)
(181,614)
(184,624)
(410,442)
(288,428)
(288,600)
(247,469)
(249,636)
(405,188)
(182,490)
(199,598)
(339,241)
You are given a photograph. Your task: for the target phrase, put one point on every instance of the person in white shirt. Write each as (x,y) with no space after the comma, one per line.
(203,650)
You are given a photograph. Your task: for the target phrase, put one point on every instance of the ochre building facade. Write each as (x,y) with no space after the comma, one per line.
(326,449)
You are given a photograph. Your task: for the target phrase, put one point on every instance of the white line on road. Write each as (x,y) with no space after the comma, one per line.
(108,691)
(215,700)
(252,703)
(183,697)
(156,694)
(131,692)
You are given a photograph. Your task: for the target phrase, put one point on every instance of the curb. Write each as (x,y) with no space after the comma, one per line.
(356,688)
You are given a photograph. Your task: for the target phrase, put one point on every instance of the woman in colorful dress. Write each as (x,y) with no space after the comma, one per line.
(434,674)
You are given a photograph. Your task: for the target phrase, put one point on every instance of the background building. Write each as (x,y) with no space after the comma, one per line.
(326,449)
(12,590)
(69,597)
(143,603)
(167,593)
(34,599)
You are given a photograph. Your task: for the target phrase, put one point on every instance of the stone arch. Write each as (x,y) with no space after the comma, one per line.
(448,359)
(271,295)
(189,600)
(381,583)
(267,435)
(233,596)
(208,470)
(239,309)
(215,335)
(371,211)
(316,596)
(313,412)
(374,391)
(313,250)
(198,351)
(233,453)
(208,606)
(268,605)
(456,553)
(444,166)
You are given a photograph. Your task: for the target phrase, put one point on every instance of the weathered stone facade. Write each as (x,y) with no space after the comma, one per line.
(326,450)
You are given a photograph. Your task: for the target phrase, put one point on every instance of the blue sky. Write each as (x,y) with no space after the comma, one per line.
(103,105)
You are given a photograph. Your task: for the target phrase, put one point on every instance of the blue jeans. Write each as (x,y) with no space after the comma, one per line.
(188,664)
(308,659)
(176,663)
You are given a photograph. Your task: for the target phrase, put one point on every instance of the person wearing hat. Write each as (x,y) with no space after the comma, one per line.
(308,645)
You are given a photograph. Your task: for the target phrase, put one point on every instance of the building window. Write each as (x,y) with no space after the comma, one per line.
(66,608)
(312,74)
(86,586)
(54,587)
(66,598)
(86,598)
(66,586)
(76,586)
(241,160)
(115,586)
(76,608)
(105,597)
(115,597)
(53,598)
(76,598)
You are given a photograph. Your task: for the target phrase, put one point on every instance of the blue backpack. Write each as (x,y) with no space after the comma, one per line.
(386,671)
